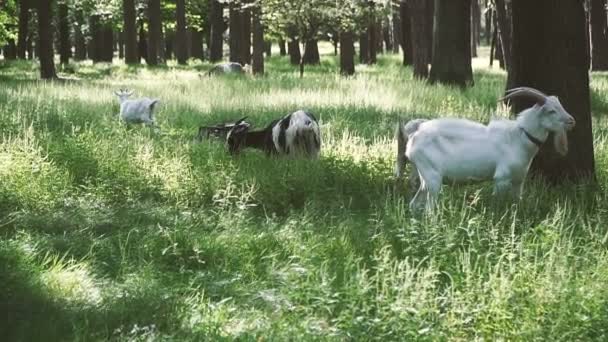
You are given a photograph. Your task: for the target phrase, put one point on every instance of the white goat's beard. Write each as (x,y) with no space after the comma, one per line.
(560,141)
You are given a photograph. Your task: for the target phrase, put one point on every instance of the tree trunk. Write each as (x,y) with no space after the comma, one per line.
(169,43)
(388,39)
(488,17)
(235,29)
(504,31)
(197,50)
(65,47)
(217,29)
(10,50)
(419,32)
(29,46)
(24,19)
(130,32)
(267,48)
(406,39)
(430,17)
(372,30)
(121,45)
(555,61)
(96,39)
(45,40)
(475,18)
(181,43)
(107,43)
(294,51)
(396,30)
(282,50)
(364,47)
(142,44)
(245,37)
(154,32)
(311,53)
(257,67)
(347,53)
(599,35)
(451,46)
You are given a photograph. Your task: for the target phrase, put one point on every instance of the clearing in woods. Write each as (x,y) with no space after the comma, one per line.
(110,232)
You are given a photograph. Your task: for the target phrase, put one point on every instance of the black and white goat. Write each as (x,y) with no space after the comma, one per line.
(219,131)
(294,135)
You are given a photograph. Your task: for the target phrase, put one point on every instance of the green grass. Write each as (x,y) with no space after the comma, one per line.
(110,232)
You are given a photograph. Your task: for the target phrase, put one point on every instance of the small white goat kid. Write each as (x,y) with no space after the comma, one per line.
(137,110)
(457,150)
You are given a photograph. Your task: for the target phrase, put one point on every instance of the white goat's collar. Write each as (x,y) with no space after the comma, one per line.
(533,139)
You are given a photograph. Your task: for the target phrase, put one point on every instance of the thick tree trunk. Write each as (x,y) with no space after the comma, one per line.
(107,43)
(282,50)
(430,17)
(406,38)
(488,18)
(388,39)
(24,19)
(45,40)
(419,32)
(169,43)
(196,50)
(121,45)
(142,44)
(347,53)
(257,66)
(29,46)
(599,35)
(235,30)
(555,61)
(96,41)
(245,37)
(503,20)
(130,32)
(373,36)
(451,46)
(154,32)
(475,19)
(294,52)
(268,48)
(65,47)
(396,27)
(311,53)
(10,50)
(216,48)
(364,47)
(181,43)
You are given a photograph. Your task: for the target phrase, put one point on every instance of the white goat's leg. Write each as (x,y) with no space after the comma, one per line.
(502,187)
(517,188)
(430,185)
(414,179)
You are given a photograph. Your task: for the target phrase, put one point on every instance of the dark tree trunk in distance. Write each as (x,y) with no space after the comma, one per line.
(235,30)
(406,39)
(154,32)
(451,43)
(245,37)
(10,50)
(294,51)
(107,42)
(65,47)
(599,35)
(181,43)
(142,44)
(80,43)
(95,44)
(311,53)
(196,50)
(216,43)
(45,40)
(555,61)
(430,17)
(364,47)
(169,43)
(267,48)
(121,45)
(488,26)
(130,32)
(24,19)
(257,66)
(396,29)
(420,28)
(388,39)
(373,37)
(503,21)
(475,20)
(347,53)
(282,50)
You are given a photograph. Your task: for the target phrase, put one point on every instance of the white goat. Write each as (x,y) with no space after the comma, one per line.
(137,110)
(458,150)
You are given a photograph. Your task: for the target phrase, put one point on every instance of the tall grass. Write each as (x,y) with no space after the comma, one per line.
(114,232)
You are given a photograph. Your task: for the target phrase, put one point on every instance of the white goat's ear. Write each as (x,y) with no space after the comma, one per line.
(560,142)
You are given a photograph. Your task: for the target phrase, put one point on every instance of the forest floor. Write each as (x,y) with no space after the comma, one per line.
(114,232)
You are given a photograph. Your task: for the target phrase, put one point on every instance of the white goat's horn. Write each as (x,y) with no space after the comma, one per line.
(528,92)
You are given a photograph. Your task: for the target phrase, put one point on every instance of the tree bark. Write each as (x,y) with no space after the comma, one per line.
(282,50)
(257,67)
(169,43)
(197,50)
(268,48)
(294,51)
(95,42)
(181,43)
(217,29)
(347,53)
(451,43)
(10,50)
(555,61)
(396,29)
(245,37)
(419,32)
(599,35)
(388,39)
(504,31)
(364,47)
(121,45)
(372,30)
(311,53)
(107,43)
(65,47)
(475,19)
(24,19)
(154,32)
(235,30)
(406,39)
(488,26)
(45,40)
(130,32)
(142,44)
